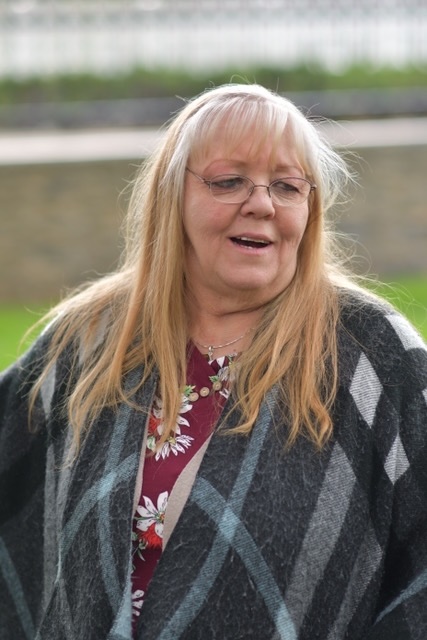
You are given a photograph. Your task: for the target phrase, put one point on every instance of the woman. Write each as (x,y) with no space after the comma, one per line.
(226,437)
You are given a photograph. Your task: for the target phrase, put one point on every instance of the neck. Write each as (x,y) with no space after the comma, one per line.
(215,329)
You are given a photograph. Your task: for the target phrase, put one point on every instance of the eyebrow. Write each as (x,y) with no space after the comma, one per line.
(242,166)
(287,168)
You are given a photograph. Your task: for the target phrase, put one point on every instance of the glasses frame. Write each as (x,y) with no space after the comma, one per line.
(208,183)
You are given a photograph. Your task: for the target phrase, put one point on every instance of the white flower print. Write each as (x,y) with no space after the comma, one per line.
(176,443)
(158,412)
(137,602)
(225,374)
(150,519)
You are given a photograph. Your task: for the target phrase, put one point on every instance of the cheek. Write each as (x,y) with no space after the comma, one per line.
(196,212)
(197,229)
(191,222)
(187,212)
(303,219)
(295,225)
(203,223)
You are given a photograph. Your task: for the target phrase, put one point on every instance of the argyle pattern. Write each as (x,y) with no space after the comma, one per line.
(273,543)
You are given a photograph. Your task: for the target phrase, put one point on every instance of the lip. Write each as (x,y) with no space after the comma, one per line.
(265,242)
(253,236)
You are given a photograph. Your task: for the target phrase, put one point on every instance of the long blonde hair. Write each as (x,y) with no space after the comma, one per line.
(139,311)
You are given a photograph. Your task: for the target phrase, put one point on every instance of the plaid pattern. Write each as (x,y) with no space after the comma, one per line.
(274,544)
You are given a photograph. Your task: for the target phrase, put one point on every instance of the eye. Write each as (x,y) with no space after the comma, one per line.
(227,183)
(287,185)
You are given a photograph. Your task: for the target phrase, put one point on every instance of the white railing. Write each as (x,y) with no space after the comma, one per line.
(48,36)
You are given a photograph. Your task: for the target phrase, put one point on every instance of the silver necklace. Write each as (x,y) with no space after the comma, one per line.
(213,347)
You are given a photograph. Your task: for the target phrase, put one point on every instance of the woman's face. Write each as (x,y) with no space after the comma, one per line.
(244,253)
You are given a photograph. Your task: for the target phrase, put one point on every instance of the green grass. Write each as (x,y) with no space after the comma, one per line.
(14,322)
(408,294)
(141,82)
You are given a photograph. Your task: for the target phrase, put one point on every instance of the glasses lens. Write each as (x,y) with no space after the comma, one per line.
(290,190)
(231,189)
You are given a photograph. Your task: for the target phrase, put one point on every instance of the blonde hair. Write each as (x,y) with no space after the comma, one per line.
(140,309)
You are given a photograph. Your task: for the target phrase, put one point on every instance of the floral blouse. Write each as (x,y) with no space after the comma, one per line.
(202,401)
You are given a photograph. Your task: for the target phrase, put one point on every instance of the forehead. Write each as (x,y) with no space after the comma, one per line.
(244,138)
(248,153)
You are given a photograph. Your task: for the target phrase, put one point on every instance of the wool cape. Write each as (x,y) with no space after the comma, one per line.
(272,543)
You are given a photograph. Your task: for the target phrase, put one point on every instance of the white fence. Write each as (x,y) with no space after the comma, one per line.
(51,36)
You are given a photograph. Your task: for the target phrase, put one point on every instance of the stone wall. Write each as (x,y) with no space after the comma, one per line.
(388,215)
(59,224)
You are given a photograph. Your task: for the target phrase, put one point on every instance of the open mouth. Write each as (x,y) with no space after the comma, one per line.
(253,243)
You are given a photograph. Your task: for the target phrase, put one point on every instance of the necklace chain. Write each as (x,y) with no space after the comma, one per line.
(213,347)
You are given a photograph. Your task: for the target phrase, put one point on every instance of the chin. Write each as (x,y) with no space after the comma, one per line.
(262,285)
(262,293)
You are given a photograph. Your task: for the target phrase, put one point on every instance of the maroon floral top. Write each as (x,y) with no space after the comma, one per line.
(202,400)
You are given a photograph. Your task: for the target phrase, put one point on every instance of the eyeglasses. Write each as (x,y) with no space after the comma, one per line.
(231,188)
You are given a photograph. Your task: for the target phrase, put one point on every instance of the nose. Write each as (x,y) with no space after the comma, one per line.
(259,202)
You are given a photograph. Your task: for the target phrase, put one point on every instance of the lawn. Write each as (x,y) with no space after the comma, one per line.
(408,294)
(14,322)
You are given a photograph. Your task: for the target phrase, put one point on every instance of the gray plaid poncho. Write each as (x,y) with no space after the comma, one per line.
(271,544)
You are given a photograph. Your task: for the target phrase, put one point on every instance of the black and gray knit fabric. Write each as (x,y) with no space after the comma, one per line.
(272,543)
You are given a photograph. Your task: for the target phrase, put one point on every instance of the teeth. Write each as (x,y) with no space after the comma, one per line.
(257,240)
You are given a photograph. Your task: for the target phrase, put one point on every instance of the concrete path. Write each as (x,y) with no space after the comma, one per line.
(45,147)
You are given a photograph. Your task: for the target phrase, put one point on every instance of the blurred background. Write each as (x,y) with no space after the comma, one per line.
(85,86)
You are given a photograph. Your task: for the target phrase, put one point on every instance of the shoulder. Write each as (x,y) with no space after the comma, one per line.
(379,346)
(18,380)
(374,324)
(17,435)
(27,367)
